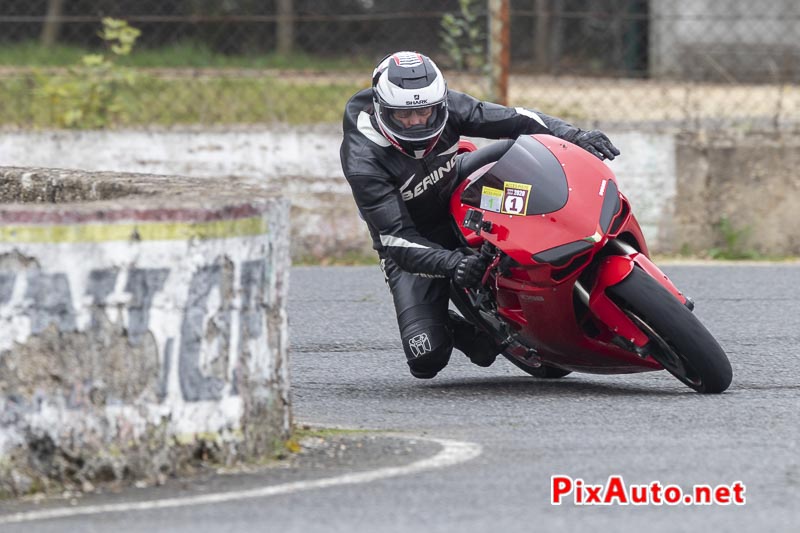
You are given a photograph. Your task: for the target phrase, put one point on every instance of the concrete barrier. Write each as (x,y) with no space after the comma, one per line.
(736,191)
(681,184)
(303,163)
(142,324)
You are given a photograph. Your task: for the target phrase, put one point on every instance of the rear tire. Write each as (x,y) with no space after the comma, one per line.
(678,341)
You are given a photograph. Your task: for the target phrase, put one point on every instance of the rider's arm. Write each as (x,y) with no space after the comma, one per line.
(382,206)
(494,121)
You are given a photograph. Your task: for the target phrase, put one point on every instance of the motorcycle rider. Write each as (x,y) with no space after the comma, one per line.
(399,155)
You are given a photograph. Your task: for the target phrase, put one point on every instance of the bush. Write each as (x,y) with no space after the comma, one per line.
(89,95)
(463,37)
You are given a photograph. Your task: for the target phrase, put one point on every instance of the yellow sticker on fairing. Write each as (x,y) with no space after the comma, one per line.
(491,199)
(515,198)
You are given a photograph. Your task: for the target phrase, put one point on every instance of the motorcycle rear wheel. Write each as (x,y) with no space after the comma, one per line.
(678,340)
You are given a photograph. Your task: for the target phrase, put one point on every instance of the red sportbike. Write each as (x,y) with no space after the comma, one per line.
(570,286)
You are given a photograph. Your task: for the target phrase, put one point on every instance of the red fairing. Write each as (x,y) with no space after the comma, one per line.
(523,236)
(537,298)
(466,146)
(611,271)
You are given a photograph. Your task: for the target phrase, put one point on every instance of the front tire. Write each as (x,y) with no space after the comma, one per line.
(678,341)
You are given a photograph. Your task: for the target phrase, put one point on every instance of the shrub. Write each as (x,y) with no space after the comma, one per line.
(90,94)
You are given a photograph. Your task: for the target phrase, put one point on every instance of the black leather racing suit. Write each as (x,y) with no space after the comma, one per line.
(405,203)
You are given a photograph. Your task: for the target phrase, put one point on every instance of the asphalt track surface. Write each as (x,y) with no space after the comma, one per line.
(348,370)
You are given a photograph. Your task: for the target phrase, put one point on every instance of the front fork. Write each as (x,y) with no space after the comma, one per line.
(611,271)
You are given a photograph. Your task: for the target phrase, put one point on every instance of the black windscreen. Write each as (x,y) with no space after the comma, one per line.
(527,180)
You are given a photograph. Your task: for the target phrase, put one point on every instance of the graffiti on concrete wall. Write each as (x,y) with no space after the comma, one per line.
(108,340)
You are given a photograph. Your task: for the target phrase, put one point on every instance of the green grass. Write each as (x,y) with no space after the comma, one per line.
(305,431)
(345,258)
(32,54)
(179,55)
(191,101)
(232,98)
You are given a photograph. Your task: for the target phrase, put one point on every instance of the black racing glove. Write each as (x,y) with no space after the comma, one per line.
(469,272)
(596,143)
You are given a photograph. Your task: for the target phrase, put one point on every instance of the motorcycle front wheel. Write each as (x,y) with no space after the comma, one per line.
(678,340)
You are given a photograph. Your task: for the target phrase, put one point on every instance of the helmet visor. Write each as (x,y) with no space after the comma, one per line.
(414,123)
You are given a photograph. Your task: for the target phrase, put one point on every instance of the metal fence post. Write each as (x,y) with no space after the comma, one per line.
(499,51)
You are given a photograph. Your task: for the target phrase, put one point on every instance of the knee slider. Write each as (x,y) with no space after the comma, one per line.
(428,349)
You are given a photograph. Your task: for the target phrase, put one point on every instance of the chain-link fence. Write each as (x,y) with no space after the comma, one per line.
(675,62)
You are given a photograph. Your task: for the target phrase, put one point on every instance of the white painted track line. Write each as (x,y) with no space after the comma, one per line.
(452,453)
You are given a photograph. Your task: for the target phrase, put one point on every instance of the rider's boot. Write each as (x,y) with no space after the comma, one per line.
(476,344)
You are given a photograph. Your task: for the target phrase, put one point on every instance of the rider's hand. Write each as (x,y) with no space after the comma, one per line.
(469,272)
(596,143)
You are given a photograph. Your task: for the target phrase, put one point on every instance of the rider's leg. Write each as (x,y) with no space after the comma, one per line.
(428,330)
(421,307)
(476,344)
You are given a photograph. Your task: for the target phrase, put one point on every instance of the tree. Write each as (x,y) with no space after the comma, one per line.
(52,22)
(285,26)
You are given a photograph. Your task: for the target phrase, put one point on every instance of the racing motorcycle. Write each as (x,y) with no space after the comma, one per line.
(570,286)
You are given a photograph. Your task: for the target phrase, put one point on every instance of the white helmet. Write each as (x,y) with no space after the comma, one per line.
(408,84)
